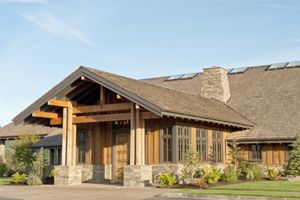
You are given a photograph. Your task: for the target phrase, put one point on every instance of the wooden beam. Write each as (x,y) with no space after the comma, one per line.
(59,103)
(132,135)
(103,108)
(102,95)
(103,118)
(64,138)
(48,115)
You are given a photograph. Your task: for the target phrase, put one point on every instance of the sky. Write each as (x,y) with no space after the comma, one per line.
(42,41)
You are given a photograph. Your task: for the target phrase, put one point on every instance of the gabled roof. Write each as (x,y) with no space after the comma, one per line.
(50,141)
(269,98)
(159,100)
(11,131)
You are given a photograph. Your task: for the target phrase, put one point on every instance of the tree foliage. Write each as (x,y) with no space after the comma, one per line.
(235,153)
(20,155)
(191,163)
(293,165)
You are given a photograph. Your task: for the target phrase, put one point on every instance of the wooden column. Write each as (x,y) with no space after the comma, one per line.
(64,138)
(71,138)
(132,134)
(140,138)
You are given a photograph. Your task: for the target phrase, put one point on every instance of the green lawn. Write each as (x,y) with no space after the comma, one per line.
(261,188)
(5,180)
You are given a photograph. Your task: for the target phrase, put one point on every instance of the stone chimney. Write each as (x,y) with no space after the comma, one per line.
(215,84)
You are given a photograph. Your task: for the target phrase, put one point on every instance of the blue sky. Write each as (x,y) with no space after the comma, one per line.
(42,41)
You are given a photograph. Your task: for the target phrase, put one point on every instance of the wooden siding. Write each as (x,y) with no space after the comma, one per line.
(272,154)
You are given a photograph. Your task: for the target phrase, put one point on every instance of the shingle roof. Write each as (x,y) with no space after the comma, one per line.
(160,100)
(269,98)
(51,140)
(12,131)
(173,101)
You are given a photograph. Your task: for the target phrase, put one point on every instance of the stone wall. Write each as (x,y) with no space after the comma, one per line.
(215,84)
(137,175)
(75,175)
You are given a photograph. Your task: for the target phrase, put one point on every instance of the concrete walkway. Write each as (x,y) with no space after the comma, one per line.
(81,192)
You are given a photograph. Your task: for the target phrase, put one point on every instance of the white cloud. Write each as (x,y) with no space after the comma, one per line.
(25,1)
(55,26)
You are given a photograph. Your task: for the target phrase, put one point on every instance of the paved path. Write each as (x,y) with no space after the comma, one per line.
(82,192)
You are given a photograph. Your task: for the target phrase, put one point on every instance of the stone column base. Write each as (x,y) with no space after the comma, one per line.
(137,175)
(67,175)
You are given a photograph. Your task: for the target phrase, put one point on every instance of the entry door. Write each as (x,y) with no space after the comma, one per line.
(121,155)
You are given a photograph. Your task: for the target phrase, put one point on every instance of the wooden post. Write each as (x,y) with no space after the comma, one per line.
(102,95)
(140,138)
(132,134)
(70,136)
(64,139)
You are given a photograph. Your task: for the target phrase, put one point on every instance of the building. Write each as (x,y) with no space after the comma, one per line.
(124,130)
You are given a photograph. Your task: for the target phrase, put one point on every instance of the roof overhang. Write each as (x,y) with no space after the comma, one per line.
(262,140)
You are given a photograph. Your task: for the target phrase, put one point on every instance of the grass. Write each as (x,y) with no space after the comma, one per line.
(5,181)
(280,189)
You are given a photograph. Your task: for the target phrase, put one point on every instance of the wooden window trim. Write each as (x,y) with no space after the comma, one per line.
(216,140)
(199,143)
(250,153)
(161,149)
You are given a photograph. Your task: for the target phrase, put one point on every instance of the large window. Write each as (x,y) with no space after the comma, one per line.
(255,152)
(201,143)
(183,135)
(166,144)
(81,145)
(217,148)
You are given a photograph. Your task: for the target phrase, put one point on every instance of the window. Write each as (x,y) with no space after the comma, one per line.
(183,141)
(217,151)
(255,152)
(166,144)
(55,156)
(81,143)
(201,143)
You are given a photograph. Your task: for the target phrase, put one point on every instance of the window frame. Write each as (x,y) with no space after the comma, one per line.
(161,144)
(200,142)
(216,150)
(79,141)
(185,140)
(250,153)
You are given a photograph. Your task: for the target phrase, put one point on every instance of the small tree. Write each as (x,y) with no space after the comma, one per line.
(37,169)
(235,154)
(191,163)
(293,165)
(20,155)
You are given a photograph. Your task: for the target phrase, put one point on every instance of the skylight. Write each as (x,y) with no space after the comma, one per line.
(175,77)
(188,76)
(294,64)
(278,65)
(238,70)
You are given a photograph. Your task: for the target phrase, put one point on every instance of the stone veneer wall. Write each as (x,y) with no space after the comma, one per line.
(147,175)
(75,175)
(215,84)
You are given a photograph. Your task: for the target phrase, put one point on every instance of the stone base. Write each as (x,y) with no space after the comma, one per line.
(67,175)
(75,175)
(137,175)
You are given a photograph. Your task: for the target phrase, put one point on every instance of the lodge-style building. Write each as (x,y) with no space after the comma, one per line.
(125,130)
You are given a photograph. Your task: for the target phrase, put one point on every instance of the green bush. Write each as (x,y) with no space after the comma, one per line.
(18,178)
(3,169)
(293,165)
(167,179)
(33,179)
(272,173)
(212,175)
(250,171)
(190,163)
(52,173)
(230,174)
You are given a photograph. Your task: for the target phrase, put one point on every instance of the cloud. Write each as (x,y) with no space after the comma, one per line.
(25,1)
(55,26)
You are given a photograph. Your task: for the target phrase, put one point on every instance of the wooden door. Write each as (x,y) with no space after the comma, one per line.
(121,155)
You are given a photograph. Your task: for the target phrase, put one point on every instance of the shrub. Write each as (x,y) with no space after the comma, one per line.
(33,179)
(212,175)
(230,174)
(18,178)
(39,165)
(52,173)
(3,169)
(272,173)
(202,184)
(293,165)
(250,171)
(235,153)
(167,179)
(190,162)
